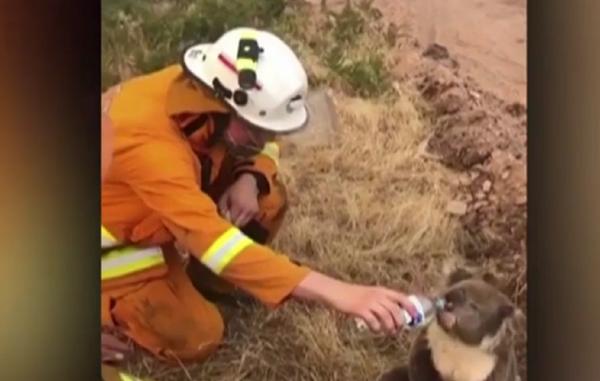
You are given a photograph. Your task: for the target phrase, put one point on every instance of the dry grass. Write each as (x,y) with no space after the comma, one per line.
(368,201)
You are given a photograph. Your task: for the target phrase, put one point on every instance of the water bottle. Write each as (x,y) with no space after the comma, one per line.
(426,310)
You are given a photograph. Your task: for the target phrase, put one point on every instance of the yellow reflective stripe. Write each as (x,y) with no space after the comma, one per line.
(237,248)
(249,33)
(242,63)
(128,377)
(225,249)
(106,233)
(271,150)
(107,239)
(129,260)
(245,63)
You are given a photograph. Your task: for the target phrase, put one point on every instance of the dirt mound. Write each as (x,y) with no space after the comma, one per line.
(485,139)
(446,55)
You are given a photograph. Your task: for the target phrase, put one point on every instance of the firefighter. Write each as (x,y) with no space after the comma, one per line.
(192,193)
(112,348)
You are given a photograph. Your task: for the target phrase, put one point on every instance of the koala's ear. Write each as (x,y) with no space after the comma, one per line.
(514,315)
(500,284)
(506,311)
(458,275)
(492,280)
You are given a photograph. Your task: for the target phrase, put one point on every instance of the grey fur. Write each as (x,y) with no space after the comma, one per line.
(498,343)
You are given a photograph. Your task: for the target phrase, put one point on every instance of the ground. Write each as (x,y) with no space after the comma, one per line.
(487,38)
(427,171)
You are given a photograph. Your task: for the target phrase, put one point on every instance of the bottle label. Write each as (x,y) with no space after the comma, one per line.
(413,322)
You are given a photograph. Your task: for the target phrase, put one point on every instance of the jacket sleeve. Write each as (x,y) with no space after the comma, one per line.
(167,184)
(263,166)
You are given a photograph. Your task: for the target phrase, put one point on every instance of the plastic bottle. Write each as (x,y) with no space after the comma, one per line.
(426,309)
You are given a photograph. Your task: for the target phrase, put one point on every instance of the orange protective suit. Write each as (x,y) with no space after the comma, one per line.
(107,135)
(168,167)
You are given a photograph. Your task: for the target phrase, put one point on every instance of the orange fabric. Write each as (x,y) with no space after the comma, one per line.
(121,298)
(167,316)
(152,194)
(273,207)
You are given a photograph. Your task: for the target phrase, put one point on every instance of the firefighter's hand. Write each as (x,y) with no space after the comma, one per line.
(378,307)
(239,203)
(113,349)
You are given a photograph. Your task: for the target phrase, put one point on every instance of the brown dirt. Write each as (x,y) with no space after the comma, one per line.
(467,59)
(474,80)
(487,38)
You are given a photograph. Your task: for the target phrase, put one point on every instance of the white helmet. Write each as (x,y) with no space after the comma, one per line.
(257,74)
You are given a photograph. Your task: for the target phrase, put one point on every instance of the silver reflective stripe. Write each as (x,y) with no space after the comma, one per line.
(217,257)
(107,242)
(121,260)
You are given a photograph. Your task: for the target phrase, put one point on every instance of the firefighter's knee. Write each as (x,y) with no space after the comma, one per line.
(171,320)
(204,339)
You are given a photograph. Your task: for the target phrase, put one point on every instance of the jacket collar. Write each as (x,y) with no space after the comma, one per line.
(186,100)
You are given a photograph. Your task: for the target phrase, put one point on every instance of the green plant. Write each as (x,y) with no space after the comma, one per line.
(348,25)
(142,36)
(367,76)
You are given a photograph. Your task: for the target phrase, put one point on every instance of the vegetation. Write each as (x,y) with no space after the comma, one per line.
(142,36)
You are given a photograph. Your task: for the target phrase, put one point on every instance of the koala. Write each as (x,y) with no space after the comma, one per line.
(470,339)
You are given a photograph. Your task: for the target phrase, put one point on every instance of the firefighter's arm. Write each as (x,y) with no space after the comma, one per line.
(167,184)
(263,166)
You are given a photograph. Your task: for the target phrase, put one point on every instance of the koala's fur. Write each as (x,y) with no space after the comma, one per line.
(470,340)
